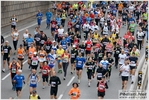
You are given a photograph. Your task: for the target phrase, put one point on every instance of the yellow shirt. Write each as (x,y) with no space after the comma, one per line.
(95,36)
(59,53)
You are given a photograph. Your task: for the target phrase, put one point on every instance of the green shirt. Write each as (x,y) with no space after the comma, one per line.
(132,27)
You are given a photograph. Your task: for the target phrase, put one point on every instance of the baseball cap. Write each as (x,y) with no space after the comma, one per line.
(34,91)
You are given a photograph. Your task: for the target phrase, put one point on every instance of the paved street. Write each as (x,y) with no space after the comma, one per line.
(86,92)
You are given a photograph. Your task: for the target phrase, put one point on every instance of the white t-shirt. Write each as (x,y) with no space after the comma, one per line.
(60,31)
(126,71)
(25,35)
(86,27)
(140,35)
(122,58)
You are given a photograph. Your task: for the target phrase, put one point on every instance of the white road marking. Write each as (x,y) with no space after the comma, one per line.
(25,28)
(60,96)
(9,73)
(71,80)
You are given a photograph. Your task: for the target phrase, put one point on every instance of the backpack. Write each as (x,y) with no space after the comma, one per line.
(101,87)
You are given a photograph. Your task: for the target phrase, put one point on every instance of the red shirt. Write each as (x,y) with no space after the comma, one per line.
(80,3)
(89,45)
(92,16)
(69,24)
(47,42)
(53,24)
(45,70)
(126,36)
(76,42)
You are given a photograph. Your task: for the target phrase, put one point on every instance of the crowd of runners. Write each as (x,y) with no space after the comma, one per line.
(99,49)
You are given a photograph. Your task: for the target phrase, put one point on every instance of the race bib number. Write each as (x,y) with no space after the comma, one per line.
(5,50)
(42,41)
(34,62)
(13,70)
(33,81)
(90,67)
(79,62)
(44,71)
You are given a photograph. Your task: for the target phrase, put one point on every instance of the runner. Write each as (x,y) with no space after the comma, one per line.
(48,17)
(33,79)
(25,36)
(59,53)
(105,64)
(133,66)
(54,82)
(101,86)
(111,63)
(15,37)
(82,48)
(19,79)
(2,42)
(48,45)
(43,39)
(53,26)
(65,62)
(6,52)
(74,54)
(125,71)
(42,57)
(13,22)
(14,67)
(140,36)
(74,92)
(117,51)
(34,95)
(45,73)
(88,44)
(122,56)
(80,60)
(37,38)
(90,69)
(34,61)
(21,54)
(51,58)
(39,16)
(31,51)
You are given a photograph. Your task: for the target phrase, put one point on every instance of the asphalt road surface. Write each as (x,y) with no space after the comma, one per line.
(86,92)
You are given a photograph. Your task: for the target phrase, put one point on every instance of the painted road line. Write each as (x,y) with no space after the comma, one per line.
(71,80)
(60,96)
(9,73)
(24,28)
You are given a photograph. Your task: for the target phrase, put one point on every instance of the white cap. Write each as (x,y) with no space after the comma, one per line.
(74,46)
(20,70)
(105,23)
(53,41)
(35,53)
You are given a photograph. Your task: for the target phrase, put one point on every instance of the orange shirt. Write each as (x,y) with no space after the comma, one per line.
(31,51)
(120,7)
(59,6)
(20,52)
(15,68)
(86,15)
(42,54)
(76,93)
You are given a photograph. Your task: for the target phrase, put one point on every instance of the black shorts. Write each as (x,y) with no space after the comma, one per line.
(12,75)
(72,60)
(18,89)
(21,59)
(124,19)
(13,26)
(124,78)
(6,58)
(34,67)
(101,94)
(132,67)
(45,78)
(88,52)
(120,12)
(52,29)
(99,78)
(89,74)
(79,68)
(53,91)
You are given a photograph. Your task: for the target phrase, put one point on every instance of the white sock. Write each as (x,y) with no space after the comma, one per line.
(132,77)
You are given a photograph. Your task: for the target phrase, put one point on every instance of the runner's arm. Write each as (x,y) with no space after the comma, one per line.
(38,78)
